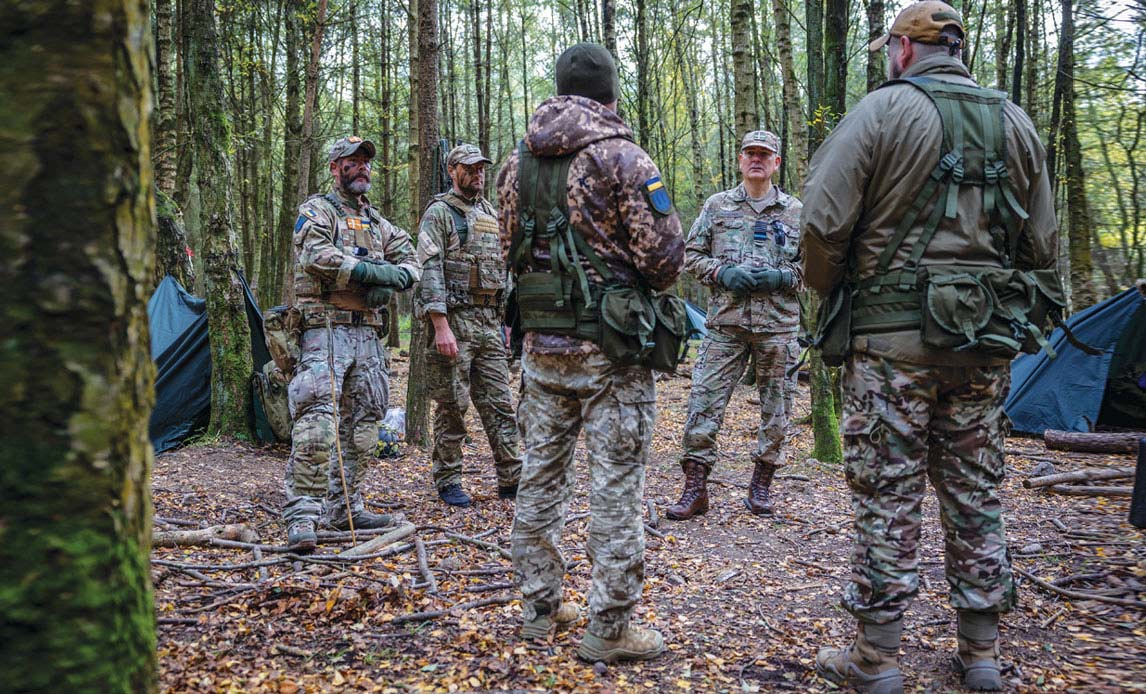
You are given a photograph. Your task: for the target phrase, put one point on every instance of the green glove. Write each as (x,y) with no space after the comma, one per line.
(378,297)
(736,279)
(772,280)
(381,275)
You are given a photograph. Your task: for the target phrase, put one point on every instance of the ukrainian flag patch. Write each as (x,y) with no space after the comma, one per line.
(658,195)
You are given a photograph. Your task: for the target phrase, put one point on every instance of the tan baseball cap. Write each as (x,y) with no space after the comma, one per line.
(761,138)
(922,22)
(467,155)
(351,144)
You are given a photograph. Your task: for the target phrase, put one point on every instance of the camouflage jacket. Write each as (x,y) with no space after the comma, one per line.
(608,200)
(729,232)
(459,271)
(329,245)
(865,176)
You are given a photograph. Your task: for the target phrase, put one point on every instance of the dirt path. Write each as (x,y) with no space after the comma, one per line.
(743,602)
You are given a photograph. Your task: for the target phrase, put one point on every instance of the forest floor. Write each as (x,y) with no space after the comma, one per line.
(743,602)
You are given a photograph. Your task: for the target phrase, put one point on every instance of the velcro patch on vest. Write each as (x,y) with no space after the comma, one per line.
(356,224)
(658,195)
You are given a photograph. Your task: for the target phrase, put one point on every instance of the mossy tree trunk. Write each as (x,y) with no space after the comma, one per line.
(76,610)
(292,152)
(231,364)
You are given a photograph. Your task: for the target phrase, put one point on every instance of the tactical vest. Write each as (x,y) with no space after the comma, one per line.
(316,299)
(995,310)
(475,273)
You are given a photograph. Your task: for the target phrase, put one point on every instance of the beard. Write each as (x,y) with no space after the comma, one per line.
(358,186)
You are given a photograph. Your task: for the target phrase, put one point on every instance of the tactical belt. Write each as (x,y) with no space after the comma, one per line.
(316,317)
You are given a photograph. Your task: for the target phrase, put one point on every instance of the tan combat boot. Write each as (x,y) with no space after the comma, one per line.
(694,498)
(978,654)
(538,628)
(870,664)
(634,643)
(759,499)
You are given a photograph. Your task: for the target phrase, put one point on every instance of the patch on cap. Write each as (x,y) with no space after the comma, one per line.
(466,154)
(761,138)
(346,146)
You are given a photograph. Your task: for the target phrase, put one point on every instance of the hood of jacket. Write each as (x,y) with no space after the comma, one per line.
(564,124)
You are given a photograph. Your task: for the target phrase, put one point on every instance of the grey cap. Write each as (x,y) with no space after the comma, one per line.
(351,144)
(467,155)
(761,138)
(587,69)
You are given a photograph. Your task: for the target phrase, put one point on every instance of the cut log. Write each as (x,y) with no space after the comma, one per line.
(1087,475)
(1070,490)
(1098,442)
(370,547)
(189,538)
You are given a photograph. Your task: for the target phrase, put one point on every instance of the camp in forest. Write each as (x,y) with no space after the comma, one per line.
(575,346)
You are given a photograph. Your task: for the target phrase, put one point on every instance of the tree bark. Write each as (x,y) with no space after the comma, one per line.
(1091,475)
(231,364)
(426,68)
(164,153)
(609,27)
(76,609)
(793,110)
(876,60)
(1020,26)
(744,113)
(836,59)
(305,166)
(643,106)
(292,153)
(1104,442)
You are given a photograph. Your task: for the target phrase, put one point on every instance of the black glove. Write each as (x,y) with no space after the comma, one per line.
(380,275)
(378,297)
(736,279)
(772,280)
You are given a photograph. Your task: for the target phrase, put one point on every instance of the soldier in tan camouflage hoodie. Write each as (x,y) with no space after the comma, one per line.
(745,245)
(617,204)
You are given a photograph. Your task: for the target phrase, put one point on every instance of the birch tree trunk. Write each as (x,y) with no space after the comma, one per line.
(876,60)
(76,609)
(230,334)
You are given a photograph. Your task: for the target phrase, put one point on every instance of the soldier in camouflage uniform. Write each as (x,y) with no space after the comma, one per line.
(618,207)
(913,412)
(461,296)
(745,245)
(348,263)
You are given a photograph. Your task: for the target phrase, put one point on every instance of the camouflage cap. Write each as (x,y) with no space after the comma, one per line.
(349,145)
(923,22)
(761,138)
(467,155)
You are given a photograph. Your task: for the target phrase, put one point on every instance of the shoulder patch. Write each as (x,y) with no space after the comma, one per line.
(299,223)
(658,195)
(309,212)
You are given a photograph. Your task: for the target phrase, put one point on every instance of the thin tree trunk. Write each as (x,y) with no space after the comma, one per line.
(609,27)
(292,153)
(814,21)
(226,310)
(355,70)
(876,60)
(76,612)
(303,185)
(481,85)
(793,110)
(744,111)
(835,53)
(1020,24)
(165,124)
(643,106)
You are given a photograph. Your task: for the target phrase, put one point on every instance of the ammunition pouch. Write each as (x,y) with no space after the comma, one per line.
(834,325)
(282,328)
(546,303)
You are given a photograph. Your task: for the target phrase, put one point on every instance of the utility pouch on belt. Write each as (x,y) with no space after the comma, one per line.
(834,325)
(627,323)
(670,332)
(994,311)
(282,326)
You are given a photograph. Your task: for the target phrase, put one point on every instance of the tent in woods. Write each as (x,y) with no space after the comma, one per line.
(181,351)
(1078,391)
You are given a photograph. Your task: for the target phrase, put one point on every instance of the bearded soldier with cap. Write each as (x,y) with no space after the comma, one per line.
(929,226)
(461,296)
(745,245)
(584,218)
(348,263)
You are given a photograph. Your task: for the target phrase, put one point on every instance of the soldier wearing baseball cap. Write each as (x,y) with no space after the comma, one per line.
(460,298)
(929,22)
(745,245)
(348,262)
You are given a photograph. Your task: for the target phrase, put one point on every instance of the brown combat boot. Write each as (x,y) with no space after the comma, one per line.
(634,643)
(694,498)
(539,627)
(978,654)
(759,499)
(870,664)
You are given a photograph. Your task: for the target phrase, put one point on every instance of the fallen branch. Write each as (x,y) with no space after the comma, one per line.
(1069,490)
(434,614)
(1099,442)
(189,538)
(479,543)
(797,478)
(654,519)
(424,565)
(654,532)
(483,587)
(1078,594)
(372,546)
(1087,475)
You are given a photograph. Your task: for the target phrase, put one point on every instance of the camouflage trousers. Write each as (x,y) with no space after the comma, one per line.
(479,373)
(904,424)
(721,362)
(615,406)
(361,389)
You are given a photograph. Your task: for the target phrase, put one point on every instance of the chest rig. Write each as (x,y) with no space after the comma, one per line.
(474,272)
(357,235)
